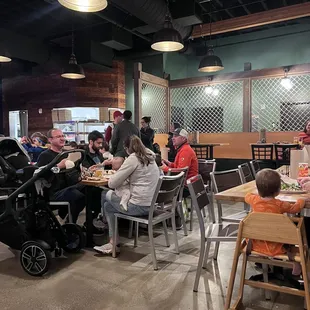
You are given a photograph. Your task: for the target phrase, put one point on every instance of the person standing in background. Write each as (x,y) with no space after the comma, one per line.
(118,117)
(123,130)
(147,133)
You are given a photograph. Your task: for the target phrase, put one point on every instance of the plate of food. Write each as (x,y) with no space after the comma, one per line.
(293,188)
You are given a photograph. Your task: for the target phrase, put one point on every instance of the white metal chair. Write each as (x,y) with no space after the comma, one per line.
(163,207)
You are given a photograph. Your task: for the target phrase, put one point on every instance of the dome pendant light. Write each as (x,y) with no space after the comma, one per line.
(211,62)
(4,58)
(73,71)
(84,5)
(167,39)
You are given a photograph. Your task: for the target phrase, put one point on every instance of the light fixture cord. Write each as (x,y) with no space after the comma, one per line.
(210,21)
(72,35)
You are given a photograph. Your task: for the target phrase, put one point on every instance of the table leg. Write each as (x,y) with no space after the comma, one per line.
(89,219)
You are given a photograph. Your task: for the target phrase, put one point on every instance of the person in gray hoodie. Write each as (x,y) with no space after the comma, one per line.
(121,132)
(142,173)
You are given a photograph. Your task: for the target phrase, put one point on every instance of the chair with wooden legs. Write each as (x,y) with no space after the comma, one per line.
(271,228)
(226,232)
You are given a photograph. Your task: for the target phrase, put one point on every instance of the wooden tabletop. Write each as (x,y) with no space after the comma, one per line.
(238,194)
(102,182)
(209,144)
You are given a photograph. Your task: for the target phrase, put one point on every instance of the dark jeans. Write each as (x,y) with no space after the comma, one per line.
(74,195)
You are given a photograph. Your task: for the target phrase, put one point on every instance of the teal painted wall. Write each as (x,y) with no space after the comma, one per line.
(265,49)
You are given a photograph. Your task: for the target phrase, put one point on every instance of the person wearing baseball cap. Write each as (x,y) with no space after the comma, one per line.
(118,117)
(185,157)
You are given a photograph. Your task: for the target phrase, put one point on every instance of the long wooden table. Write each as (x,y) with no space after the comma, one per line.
(238,194)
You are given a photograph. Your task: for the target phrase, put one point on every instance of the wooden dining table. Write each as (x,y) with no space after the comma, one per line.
(89,212)
(238,193)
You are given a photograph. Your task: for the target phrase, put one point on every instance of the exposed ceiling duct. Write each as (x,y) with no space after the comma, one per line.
(152,12)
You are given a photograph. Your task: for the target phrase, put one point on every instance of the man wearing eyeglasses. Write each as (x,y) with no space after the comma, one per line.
(60,191)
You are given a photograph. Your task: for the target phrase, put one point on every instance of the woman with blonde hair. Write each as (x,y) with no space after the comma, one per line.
(141,171)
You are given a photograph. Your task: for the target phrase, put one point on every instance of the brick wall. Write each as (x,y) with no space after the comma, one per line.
(47,92)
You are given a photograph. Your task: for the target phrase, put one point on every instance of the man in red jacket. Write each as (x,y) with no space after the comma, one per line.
(118,117)
(186,156)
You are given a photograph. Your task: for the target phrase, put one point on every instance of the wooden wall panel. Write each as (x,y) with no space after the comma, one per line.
(239,142)
(98,89)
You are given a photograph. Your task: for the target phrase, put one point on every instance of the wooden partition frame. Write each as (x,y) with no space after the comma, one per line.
(141,77)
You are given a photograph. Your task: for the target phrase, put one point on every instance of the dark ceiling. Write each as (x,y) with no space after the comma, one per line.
(47,21)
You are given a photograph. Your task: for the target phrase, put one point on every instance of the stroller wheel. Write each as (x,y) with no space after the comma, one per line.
(75,238)
(34,258)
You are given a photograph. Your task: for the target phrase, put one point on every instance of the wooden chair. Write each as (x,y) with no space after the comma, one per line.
(263,153)
(246,173)
(283,153)
(272,228)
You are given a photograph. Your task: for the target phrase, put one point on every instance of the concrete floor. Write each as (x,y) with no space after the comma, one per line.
(90,281)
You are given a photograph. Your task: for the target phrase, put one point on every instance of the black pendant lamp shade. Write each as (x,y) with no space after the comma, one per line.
(211,62)
(73,70)
(167,39)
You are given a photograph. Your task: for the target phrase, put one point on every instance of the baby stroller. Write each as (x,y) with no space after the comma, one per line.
(33,228)
(12,158)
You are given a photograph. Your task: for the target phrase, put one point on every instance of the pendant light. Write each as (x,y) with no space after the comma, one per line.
(73,71)
(167,39)
(211,62)
(4,58)
(286,81)
(84,5)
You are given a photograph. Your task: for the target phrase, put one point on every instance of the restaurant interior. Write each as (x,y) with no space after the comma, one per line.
(234,75)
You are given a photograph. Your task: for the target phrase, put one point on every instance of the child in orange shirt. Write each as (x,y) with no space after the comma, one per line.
(268,183)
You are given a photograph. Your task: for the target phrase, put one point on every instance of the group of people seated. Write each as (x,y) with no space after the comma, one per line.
(127,150)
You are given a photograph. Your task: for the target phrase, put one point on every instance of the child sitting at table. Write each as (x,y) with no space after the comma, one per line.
(268,183)
(123,191)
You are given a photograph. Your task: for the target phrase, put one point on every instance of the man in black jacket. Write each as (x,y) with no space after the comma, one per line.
(92,152)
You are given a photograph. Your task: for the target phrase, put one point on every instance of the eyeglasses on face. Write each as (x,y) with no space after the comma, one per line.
(58,137)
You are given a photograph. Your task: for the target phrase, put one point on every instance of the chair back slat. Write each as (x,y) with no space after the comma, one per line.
(255,167)
(205,167)
(176,171)
(170,186)
(270,227)
(262,151)
(246,173)
(223,180)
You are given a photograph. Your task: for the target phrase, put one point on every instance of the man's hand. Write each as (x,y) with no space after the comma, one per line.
(62,164)
(166,162)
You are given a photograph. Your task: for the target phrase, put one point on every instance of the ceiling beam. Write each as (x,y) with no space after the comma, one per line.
(253,20)
(244,7)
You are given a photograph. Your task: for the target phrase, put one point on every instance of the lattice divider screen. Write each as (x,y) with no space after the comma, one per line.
(197,109)
(277,108)
(154,104)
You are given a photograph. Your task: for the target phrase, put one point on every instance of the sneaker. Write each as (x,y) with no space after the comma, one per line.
(106,248)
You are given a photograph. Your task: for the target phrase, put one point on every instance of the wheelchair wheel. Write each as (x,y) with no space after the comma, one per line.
(35,258)
(75,238)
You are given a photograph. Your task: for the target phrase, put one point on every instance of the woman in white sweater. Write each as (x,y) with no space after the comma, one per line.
(142,172)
